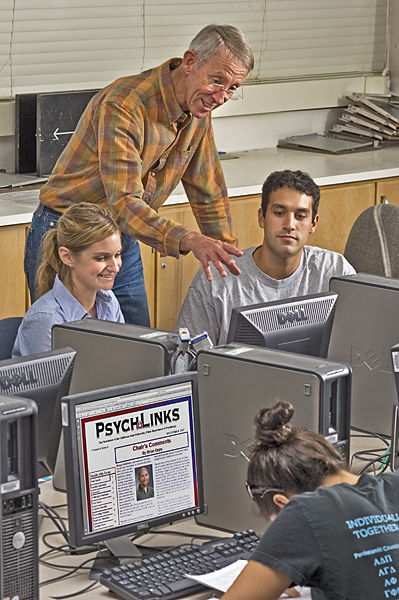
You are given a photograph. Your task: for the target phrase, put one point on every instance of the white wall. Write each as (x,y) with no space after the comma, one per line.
(261,130)
(264,131)
(7,153)
(394,49)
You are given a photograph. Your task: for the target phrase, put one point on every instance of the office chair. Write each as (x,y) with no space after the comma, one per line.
(8,333)
(373,242)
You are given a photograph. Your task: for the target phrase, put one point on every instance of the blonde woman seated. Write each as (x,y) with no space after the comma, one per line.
(80,259)
(333,531)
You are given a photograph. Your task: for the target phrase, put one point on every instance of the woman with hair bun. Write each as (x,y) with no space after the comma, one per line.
(333,531)
(80,259)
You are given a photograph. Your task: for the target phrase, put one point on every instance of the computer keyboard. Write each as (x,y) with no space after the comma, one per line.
(163,575)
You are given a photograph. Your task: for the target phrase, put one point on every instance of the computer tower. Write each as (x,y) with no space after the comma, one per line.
(234,382)
(19,493)
(366,326)
(109,353)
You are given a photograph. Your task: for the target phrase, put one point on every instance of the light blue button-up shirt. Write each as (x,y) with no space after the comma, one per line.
(59,306)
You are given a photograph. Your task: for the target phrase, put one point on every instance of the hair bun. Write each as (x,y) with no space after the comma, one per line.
(272,424)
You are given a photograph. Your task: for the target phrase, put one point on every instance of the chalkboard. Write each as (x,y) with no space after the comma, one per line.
(45,123)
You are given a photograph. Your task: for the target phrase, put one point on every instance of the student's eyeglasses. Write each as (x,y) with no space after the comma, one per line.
(233,92)
(257,492)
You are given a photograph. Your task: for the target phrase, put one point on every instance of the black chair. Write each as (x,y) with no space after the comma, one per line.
(8,333)
(373,242)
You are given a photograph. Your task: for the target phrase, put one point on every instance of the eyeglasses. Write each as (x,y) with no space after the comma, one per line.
(257,492)
(233,93)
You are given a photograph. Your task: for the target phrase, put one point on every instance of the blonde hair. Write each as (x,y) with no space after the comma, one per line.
(78,228)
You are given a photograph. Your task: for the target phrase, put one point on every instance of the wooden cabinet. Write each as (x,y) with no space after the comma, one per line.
(173,277)
(388,188)
(168,279)
(340,205)
(148,260)
(14,298)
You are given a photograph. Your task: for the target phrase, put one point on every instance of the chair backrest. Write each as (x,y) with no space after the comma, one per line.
(8,333)
(373,242)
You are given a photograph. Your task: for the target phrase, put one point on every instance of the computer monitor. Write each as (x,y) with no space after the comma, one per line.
(365,328)
(117,435)
(301,325)
(44,378)
(109,353)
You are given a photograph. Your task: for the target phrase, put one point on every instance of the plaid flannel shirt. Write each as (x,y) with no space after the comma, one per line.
(131,147)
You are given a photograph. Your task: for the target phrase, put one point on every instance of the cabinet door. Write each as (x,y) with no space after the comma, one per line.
(14,291)
(244,212)
(388,188)
(340,205)
(148,255)
(173,276)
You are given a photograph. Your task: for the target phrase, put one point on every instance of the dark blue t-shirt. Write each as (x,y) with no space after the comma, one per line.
(343,540)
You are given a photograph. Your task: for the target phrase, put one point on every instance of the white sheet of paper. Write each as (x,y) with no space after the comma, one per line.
(222,579)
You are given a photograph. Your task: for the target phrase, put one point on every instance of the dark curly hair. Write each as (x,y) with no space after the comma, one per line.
(293,459)
(295,180)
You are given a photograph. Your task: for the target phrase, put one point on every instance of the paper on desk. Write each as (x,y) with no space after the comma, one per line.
(223,578)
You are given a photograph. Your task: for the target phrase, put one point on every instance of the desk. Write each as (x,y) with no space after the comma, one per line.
(79,581)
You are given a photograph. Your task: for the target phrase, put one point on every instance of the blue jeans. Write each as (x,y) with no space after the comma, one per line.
(129,285)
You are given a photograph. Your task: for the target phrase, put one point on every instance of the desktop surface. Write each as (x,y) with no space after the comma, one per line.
(79,580)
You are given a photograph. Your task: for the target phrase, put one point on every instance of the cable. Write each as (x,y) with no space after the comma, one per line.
(57,519)
(372,456)
(384,438)
(86,589)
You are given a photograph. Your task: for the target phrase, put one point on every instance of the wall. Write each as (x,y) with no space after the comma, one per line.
(394,49)
(248,132)
(263,131)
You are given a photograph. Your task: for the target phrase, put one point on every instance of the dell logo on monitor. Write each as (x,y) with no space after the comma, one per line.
(17,380)
(291,316)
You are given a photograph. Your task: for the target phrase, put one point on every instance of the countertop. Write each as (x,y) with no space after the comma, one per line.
(245,173)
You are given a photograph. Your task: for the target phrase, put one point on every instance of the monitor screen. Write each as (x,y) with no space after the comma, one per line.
(44,378)
(301,325)
(135,459)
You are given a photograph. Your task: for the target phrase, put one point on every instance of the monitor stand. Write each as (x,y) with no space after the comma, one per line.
(121,547)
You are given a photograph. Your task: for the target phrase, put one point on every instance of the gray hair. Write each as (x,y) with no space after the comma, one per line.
(213,37)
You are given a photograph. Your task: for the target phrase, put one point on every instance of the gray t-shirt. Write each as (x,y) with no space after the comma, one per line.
(208,304)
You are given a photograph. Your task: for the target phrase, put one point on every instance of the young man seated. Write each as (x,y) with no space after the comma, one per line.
(283,267)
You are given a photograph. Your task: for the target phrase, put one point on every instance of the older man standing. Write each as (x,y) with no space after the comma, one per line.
(137,139)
